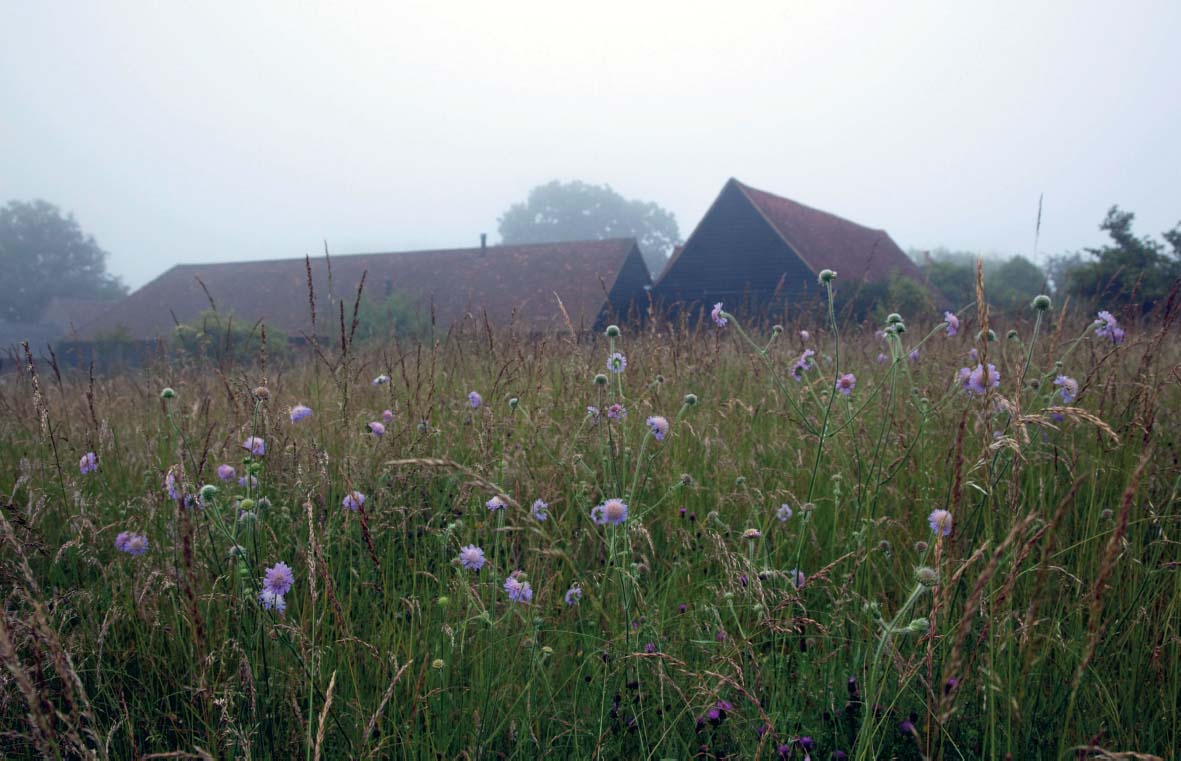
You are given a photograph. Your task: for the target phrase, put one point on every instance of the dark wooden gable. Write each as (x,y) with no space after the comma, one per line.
(734,256)
(628,297)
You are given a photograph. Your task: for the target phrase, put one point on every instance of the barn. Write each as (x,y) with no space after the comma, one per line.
(542,287)
(760,252)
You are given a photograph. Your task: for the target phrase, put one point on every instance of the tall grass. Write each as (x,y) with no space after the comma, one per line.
(1044,625)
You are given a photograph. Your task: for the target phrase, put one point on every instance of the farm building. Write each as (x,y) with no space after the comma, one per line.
(759,252)
(536,288)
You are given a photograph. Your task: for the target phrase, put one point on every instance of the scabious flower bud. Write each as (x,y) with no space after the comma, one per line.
(827,276)
(1012,335)
(513,402)
(262,393)
(776,329)
(600,379)
(167,393)
(438,664)
(920,546)
(612,331)
(208,492)
(691,400)
(990,335)
(919,626)
(926,576)
(1041,302)
(246,504)
(893,318)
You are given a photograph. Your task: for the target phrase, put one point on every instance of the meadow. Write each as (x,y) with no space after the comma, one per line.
(936,537)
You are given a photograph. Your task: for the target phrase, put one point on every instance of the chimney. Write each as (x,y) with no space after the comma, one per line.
(483,244)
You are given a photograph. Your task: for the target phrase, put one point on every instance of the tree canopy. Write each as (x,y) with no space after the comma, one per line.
(559,211)
(44,254)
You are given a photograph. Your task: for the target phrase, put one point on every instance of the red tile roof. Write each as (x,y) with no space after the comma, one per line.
(518,283)
(826,241)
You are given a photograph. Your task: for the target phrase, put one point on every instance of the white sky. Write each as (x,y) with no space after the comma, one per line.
(210,132)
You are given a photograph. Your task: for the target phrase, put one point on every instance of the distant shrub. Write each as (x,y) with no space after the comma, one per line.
(398,315)
(221,337)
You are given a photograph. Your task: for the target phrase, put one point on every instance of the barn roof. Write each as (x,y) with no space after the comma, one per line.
(826,241)
(519,283)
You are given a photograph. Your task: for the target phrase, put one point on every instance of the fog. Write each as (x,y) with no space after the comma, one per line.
(247,131)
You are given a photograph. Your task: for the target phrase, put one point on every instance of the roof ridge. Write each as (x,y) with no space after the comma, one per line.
(806,207)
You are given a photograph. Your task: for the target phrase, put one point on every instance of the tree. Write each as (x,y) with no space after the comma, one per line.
(43,255)
(1129,270)
(1009,284)
(560,211)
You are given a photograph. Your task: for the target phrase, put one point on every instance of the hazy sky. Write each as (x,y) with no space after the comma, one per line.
(205,132)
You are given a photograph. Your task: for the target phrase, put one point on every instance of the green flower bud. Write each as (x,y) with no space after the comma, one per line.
(438,664)
(926,576)
(893,318)
(776,329)
(612,331)
(246,504)
(208,492)
(1012,335)
(919,626)
(443,601)
(513,402)
(827,276)
(167,393)
(691,400)
(600,380)
(1041,303)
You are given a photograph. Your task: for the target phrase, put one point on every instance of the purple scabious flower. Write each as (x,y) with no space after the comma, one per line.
(353,500)
(797,578)
(471,557)
(906,727)
(940,521)
(88,463)
(573,594)
(846,383)
(717,316)
(659,426)
(494,504)
(803,364)
(616,363)
(387,416)
(953,323)
(593,413)
(381,380)
(973,355)
(616,412)
(377,429)
(255,445)
(474,399)
(300,412)
(132,543)
(225,472)
(613,511)
(805,336)
(883,358)
(173,482)
(518,591)
(1067,388)
(913,356)
(271,601)
(539,510)
(783,513)
(962,376)
(278,578)
(983,378)
(1109,327)
(248,482)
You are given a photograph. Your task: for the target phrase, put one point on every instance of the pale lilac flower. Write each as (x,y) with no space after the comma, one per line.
(940,521)
(752,533)
(377,429)
(225,472)
(573,594)
(803,364)
(271,601)
(518,591)
(616,412)
(248,482)
(299,412)
(474,399)
(255,445)
(279,579)
(381,380)
(797,578)
(913,356)
(883,358)
(805,336)
(172,482)
(783,513)
(1110,328)
(132,543)
(496,503)
(88,463)
(659,426)
(540,510)
(471,557)
(879,334)
(846,383)
(973,355)
(616,362)
(953,323)
(983,378)
(353,500)
(592,412)
(387,416)
(1067,388)
(716,315)
(963,376)
(612,511)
